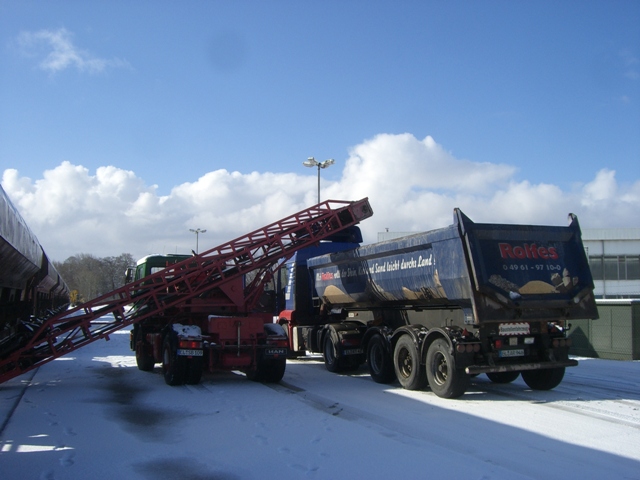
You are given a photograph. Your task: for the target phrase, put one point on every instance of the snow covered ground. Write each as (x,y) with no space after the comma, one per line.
(93,414)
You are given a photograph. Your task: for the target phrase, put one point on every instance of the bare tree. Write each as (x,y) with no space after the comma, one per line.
(92,276)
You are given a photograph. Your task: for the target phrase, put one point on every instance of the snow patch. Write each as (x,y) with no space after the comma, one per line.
(187,330)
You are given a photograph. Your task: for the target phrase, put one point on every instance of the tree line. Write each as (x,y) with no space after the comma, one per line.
(88,276)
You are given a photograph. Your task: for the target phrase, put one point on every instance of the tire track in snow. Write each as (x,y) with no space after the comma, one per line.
(601,401)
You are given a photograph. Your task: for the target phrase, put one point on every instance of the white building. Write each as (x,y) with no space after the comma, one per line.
(614,257)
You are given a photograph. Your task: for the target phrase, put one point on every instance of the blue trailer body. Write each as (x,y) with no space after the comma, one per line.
(426,268)
(494,272)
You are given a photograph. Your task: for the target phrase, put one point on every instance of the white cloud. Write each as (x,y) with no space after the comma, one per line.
(412,185)
(56,52)
(603,187)
(113,211)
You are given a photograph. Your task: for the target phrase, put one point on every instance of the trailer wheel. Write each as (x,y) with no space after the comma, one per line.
(503,377)
(194,370)
(380,361)
(174,367)
(268,371)
(406,361)
(543,379)
(275,370)
(330,353)
(445,379)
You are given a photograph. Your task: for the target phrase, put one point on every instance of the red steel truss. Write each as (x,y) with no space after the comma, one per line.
(212,278)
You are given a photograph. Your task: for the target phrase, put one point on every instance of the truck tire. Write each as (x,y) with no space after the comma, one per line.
(268,371)
(144,359)
(406,362)
(330,353)
(543,379)
(445,380)
(174,367)
(503,377)
(255,374)
(380,361)
(195,366)
(275,370)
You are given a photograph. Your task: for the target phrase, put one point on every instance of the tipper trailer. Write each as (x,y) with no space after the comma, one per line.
(199,311)
(442,306)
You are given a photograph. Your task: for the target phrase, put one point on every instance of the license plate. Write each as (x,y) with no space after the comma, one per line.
(518,352)
(275,351)
(187,352)
(352,351)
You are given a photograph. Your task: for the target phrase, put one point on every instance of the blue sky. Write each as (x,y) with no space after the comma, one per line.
(216,100)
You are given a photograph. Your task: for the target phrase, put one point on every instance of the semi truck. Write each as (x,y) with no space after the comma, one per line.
(437,308)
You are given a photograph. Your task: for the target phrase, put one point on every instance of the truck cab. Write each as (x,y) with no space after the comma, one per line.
(152,264)
(303,313)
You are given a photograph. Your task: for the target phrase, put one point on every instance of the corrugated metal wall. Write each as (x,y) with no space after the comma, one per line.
(615,335)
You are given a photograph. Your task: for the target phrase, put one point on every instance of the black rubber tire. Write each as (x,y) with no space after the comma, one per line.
(406,363)
(543,379)
(352,363)
(445,380)
(380,362)
(274,370)
(174,367)
(144,357)
(255,374)
(503,377)
(268,371)
(195,365)
(330,353)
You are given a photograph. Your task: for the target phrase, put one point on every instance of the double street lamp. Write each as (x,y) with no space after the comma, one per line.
(312,162)
(197,231)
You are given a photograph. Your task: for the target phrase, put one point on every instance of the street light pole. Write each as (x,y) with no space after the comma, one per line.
(197,231)
(312,162)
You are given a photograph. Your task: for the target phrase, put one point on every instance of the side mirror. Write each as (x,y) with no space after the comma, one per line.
(128,274)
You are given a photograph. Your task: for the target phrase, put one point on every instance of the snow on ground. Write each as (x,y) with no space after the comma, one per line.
(93,414)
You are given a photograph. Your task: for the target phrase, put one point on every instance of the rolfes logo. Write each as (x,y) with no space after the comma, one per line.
(530,251)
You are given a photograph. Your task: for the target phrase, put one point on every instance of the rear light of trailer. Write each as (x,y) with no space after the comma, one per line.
(561,342)
(192,344)
(500,343)
(468,347)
